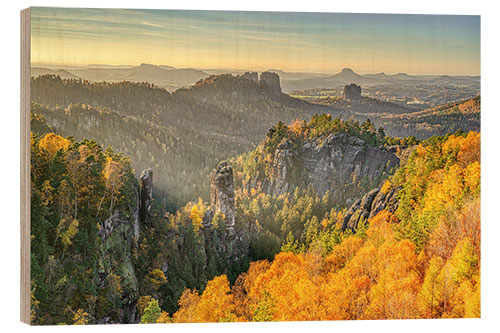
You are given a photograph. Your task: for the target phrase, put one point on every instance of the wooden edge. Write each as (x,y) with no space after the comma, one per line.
(25,166)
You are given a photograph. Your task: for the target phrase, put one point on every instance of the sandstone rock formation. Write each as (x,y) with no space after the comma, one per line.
(146,196)
(222,192)
(253,76)
(271,81)
(231,242)
(119,233)
(338,163)
(352,92)
(370,205)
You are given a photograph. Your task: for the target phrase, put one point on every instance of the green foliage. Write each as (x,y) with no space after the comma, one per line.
(264,246)
(264,310)
(291,245)
(68,189)
(275,135)
(151,313)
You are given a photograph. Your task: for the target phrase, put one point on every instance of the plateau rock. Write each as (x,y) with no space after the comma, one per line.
(352,92)
(339,163)
(271,81)
(252,76)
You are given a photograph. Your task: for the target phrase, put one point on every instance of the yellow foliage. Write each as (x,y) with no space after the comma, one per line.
(112,172)
(215,305)
(216,302)
(196,214)
(468,148)
(380,230)
(157,277)
(81,317)
(52,143)
(67,230)
(472,178)
(386,187)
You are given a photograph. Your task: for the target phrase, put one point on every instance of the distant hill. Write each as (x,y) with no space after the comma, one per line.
(163,74)
(64,74)
(379,76)
(166,76)
(348,76)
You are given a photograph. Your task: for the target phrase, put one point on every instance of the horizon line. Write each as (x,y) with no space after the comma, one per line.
(62,65)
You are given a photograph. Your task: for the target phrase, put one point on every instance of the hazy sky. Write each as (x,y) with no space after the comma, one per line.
(309,42)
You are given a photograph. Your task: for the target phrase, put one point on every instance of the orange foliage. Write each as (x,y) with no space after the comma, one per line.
(214,305)
(296,127)
(377,276)
(342,253)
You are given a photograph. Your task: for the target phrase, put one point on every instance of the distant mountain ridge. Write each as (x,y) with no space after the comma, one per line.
(348,76)
(166,76)
(173,78)
(64,74)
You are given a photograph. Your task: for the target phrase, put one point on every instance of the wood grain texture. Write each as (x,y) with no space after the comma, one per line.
(25,165)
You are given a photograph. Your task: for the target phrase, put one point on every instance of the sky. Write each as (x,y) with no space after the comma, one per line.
(293,42)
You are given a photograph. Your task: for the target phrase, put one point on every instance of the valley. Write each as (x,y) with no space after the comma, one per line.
(210,188)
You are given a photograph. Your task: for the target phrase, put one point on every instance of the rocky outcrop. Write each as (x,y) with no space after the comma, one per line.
(352,92)
(338,163)
(271,81)
(146,197)
(119,234)
(222,192)
(252,76)
(370,205)
(110,224)
(231,242)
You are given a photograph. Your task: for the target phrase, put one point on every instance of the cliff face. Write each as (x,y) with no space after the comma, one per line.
(119,235)
(272,81)
(370,205)
(146,196)
(338,163)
